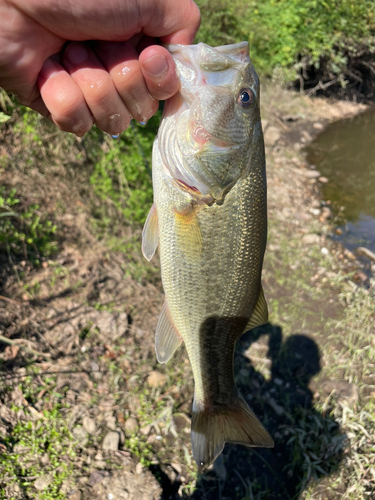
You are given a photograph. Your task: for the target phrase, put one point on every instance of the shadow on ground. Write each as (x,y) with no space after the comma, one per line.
(308,444)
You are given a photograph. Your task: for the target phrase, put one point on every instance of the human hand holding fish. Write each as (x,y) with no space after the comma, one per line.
(209,219)
(94,61)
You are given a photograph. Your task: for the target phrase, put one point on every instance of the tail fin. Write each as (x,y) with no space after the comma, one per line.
(233,423)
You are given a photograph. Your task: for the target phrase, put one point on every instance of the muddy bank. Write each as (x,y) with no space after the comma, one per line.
(121,420)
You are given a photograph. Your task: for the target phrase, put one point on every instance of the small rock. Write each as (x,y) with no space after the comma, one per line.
(156,379)
(42,482)
(350,254)
(324,251)
(311,239)
(97,476)
(89,425)
(323,180)
(310,174)
(111,441)
(271,136)
(139,468)
(306,136)
(75,495)
(111,422)
(366,252)
(326,214)
(146,430)
(338,231)
(318,126)
(131,425)
(44,459)
(80,434)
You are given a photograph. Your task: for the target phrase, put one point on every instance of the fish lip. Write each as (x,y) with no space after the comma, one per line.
(173,47)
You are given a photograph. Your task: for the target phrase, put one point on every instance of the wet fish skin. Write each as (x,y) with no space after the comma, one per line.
(210,220)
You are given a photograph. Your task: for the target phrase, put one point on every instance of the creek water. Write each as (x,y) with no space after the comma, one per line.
(345,154)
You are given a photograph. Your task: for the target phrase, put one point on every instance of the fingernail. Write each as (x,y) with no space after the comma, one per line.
(77,54)
(156,66)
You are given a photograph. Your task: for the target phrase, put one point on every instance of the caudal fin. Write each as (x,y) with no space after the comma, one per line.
(233,423)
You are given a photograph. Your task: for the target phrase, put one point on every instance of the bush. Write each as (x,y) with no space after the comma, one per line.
(307,38)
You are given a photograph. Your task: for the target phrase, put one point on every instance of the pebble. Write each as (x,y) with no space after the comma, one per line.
(75,495)
(156,379)
(89,425)
(310,174)
(42,482)
(111,441)
(311,239)
(146,430)
(139,468)
(323,180)
(324,251)
(131,425)
(318,126)
(366,252)
(111,422)
(80,434)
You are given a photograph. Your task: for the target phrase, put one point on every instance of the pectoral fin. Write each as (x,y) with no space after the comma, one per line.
(188,230)
(260,312)
(150,234)
(167,337)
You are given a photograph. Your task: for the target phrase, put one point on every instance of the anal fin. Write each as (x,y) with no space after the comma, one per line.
(260,312)
(150,234)
(167,338)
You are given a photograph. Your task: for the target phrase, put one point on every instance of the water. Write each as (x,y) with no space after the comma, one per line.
(345,154)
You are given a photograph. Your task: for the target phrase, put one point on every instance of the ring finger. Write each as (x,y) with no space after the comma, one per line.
(106,106)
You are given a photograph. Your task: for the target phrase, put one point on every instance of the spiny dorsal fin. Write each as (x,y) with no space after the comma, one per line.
(150,234)
(260,312)
(167,337)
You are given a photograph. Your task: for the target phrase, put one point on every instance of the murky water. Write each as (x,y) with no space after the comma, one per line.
(345,154)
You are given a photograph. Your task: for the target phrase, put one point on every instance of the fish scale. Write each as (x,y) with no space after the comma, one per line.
(211,223)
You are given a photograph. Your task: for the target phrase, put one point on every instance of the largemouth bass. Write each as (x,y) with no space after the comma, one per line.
(210,222)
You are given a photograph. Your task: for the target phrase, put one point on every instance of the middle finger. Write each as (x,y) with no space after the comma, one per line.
(109,111)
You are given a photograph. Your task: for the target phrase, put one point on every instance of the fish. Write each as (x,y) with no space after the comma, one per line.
(209,220)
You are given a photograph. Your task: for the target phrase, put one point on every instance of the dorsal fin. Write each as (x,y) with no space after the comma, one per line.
(167,338)
(150,234)
(260,312)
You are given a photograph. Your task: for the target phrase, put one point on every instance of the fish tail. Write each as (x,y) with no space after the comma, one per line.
(216,425)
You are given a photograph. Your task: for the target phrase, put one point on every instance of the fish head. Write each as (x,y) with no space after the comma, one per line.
(210,126)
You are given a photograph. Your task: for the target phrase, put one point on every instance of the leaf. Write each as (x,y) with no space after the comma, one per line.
(4,118)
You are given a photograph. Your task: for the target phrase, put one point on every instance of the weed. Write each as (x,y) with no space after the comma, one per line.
(37,449)
(23,229)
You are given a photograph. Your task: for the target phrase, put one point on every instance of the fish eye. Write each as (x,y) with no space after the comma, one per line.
(246,98)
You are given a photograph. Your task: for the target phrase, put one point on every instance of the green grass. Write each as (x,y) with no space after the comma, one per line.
(41,448)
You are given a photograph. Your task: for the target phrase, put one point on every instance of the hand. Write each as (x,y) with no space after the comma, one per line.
(80,62)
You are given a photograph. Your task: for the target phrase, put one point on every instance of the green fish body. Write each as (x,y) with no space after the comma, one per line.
(209,220)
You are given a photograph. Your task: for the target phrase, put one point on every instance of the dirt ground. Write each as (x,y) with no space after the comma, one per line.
(87,413)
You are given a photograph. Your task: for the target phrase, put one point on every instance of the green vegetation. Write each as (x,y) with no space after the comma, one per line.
(24,230)
(43,449)
(288,37)
(122,168)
